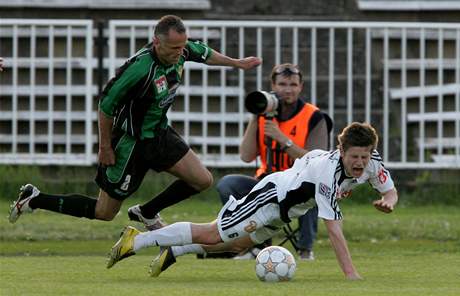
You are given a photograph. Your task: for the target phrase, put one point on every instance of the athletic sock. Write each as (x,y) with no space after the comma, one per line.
(176,192)
(176,234)
(72,204)
(187,249)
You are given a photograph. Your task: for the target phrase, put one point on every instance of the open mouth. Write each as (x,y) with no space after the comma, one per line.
(357,171)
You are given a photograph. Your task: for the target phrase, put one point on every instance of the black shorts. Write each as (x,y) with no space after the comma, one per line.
(134,157)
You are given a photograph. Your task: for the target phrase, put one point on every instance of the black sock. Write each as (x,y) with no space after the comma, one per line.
(73,204)
(176,192)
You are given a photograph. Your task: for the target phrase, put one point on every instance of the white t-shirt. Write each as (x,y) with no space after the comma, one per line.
(320,174)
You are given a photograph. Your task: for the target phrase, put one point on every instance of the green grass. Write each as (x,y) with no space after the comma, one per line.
(388,268)
(414,251)
(361,223)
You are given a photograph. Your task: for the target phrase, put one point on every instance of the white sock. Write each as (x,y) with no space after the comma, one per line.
(187,249)
(176,234)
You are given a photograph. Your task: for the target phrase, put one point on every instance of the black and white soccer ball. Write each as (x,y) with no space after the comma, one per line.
(275,264)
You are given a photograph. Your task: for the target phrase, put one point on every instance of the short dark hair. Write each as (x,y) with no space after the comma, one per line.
(167,23)
(358,134)
(286,70)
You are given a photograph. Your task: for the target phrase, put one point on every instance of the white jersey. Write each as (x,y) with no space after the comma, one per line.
(320,174)
(318,178)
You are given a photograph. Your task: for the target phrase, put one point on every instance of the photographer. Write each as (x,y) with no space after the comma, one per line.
(293,129)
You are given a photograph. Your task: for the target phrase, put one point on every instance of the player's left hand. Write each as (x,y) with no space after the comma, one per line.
(383,206)
(106,156)
(249,62)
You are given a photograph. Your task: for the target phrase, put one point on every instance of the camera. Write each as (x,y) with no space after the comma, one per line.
(262,102)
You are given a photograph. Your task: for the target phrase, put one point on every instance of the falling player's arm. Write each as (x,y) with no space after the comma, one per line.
(382,182)
(339,244)
(329,210)
(388,201)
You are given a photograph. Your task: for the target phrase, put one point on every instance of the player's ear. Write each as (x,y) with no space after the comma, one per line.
(156,41)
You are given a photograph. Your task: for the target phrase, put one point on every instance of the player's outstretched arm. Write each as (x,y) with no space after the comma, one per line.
(219,59)
(388,201)
(334,228)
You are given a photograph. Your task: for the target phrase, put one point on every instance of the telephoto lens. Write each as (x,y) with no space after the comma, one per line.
(261,102)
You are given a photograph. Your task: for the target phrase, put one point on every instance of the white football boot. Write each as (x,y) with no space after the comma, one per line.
(135,214)
(21,205)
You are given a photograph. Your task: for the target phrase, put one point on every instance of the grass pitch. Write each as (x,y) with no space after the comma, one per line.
(414,251)
(388,268)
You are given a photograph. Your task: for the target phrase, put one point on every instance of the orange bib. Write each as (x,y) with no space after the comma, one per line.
(295,128)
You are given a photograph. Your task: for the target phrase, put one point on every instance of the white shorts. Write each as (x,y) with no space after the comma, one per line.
(256,215)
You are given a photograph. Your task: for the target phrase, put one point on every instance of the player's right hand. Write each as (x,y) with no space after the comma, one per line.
(106,156)
(383,206)
(249,62)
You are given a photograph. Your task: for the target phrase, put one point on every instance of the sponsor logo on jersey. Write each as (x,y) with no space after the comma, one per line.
(170,98)
(383,176)
(325,190)
(344,194)
(251,227)
(161,84)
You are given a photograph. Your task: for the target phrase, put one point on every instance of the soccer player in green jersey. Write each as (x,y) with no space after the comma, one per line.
(134,135)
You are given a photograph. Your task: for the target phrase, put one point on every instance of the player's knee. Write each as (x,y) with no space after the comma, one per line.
(213,239)
(208,239)
(204,182)
(241,245)
(104,215)
(209,236)
(224,185)
(239,248)
(106,207)
(209,180)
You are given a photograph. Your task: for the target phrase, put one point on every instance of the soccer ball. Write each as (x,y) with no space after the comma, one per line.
(275,264)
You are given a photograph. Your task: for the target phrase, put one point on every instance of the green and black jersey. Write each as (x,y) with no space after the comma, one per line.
(143,89)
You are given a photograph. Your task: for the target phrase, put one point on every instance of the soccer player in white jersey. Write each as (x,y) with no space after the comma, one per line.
(320,177)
